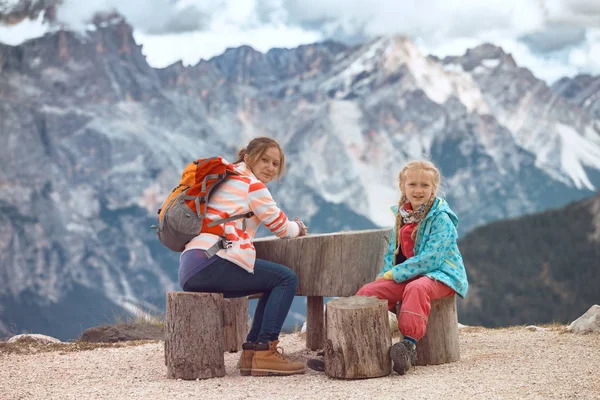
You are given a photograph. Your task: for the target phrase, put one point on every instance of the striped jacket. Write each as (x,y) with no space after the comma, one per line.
(239,195)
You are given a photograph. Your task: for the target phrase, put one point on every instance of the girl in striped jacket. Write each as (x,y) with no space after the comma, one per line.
(234,270)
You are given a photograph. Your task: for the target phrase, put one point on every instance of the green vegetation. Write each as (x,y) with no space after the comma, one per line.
(536,269)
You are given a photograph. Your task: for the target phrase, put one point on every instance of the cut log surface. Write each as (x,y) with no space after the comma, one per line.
(440,344)
(324,262)
(358,338)
(194,335)
(235,323)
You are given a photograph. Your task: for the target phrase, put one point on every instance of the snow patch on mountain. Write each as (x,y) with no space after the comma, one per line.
(490,63)
(334,178)
(593,132)
(576,153)
(453,67)
(345,119)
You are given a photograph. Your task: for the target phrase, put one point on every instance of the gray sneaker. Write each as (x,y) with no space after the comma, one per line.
(317,364)
(404,356)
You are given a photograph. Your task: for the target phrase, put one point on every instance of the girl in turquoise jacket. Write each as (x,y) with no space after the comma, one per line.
(422,263)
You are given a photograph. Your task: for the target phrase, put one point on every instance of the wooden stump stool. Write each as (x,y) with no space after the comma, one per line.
(358,338)
(194,335)
(235,323)
(440,344)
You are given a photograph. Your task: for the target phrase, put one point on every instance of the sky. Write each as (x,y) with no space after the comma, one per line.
(553,38)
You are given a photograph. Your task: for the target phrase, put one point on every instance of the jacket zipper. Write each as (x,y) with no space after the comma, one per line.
(421,228)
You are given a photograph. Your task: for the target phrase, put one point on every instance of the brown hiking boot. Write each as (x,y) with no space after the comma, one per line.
(245,363)
(269,361)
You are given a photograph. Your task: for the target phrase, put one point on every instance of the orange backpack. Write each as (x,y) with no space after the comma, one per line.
(181,217)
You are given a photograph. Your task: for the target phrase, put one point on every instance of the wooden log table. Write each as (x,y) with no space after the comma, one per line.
(327,265)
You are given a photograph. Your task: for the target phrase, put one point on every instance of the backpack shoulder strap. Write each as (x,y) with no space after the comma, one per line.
(232,218)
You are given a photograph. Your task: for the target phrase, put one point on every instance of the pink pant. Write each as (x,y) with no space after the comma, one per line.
(415,295)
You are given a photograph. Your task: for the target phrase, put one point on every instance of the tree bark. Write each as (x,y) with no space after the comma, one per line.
(235,323)
(358,338)
(440,344)
(194,335)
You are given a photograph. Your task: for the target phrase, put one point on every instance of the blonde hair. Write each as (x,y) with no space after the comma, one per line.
(257,148)
(415,166)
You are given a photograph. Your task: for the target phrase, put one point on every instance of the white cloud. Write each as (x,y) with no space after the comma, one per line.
(587,57)
(534,31)
(442,27)
(27,29)
(219,24)
(150,16)
(190,47)
(425,18)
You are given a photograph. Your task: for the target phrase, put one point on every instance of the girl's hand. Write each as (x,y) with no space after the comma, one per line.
(303,228)
(380,278)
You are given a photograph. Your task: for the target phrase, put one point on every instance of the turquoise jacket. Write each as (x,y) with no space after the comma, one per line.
(436,251)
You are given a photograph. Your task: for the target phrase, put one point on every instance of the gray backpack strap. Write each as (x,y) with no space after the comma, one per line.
(197,200)
(232,218)
(212,176)
(212,250)
(222,243)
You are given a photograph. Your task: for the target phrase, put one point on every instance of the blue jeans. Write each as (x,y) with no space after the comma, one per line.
(277,282)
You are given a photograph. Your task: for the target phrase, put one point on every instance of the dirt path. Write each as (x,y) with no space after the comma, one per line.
(511,363)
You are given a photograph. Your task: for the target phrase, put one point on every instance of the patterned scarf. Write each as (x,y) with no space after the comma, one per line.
(411,217)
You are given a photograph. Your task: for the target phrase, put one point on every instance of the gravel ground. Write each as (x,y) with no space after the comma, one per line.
(511,363)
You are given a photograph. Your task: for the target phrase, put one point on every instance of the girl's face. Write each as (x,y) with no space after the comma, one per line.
(267,166)
(418,187)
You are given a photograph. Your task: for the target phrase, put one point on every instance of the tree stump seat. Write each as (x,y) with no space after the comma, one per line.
(440,344)
(358,338)
(199,328)
(235,323)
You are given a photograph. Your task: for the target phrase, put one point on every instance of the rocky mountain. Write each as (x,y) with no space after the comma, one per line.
(95,138)
(534,269)
(540,120)
(582,90)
